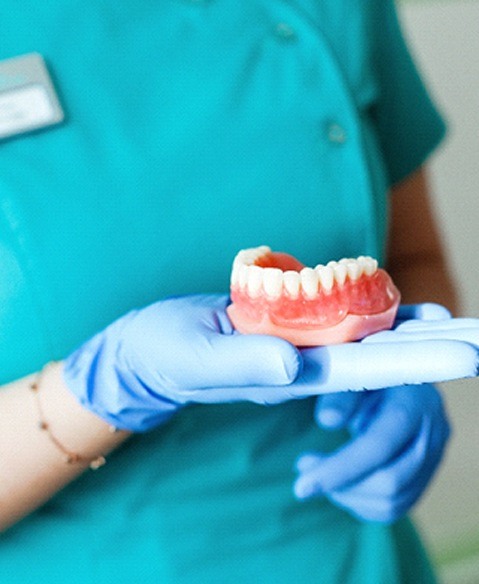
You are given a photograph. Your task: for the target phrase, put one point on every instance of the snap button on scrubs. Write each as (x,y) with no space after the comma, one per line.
(192,131)
(284,31)
(337,134)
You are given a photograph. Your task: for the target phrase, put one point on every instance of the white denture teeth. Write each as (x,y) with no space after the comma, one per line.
(246,257)
(369,264)
(292,281)
(361,265)
(254,281)
(353,268)
(354,271)
(309,282)
(250,255)
(272,282)
(242,276)
(235,273)
(340,272)
(326,277)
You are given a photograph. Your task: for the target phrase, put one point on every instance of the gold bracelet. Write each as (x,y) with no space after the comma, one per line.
(70,457)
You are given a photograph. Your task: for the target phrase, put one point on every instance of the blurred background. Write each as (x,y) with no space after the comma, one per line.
(444,37)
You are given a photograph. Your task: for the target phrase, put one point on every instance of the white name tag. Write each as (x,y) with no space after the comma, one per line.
(28,100)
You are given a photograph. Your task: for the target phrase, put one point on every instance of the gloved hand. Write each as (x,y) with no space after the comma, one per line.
(398,439)
(141,369)
(398,433)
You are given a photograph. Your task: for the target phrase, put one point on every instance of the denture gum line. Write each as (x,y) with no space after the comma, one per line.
(256,280)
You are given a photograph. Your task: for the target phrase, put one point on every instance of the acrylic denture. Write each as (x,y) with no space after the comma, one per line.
(273,293)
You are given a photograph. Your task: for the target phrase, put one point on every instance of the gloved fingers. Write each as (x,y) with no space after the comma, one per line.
(448,326)
(360,412)
(249,360)
(358,366)
(386,438)
(382,495)
(380,509)
(308,484)
(182,344)
(394,485)
(225,358)
(335,410)
(391,492)
(425,311)
(336,368)
(410,471)
(307,462)
(366,413)
(266,395)
(457,329)
(257,360)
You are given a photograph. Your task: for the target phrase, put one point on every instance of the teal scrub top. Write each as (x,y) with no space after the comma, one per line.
(195,128)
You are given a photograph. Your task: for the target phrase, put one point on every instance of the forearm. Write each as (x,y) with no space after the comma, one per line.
(425,278)
(417,260)
(32,467)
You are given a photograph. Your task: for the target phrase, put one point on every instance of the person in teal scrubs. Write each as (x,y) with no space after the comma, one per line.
(192,129)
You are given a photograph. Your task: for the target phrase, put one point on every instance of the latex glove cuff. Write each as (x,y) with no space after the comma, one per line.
(98,375)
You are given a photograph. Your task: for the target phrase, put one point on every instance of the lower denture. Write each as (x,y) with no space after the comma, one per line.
(273,293)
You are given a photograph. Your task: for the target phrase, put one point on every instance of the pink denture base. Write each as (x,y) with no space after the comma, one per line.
(352,328)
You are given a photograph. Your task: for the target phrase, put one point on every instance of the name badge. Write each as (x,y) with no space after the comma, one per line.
(28,100)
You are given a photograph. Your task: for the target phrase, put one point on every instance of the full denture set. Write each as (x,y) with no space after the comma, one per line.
(273,293)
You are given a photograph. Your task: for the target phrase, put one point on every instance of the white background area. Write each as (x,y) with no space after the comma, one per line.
(444,37)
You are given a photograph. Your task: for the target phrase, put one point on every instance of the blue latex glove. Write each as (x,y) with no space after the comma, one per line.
(141,369)
(398,439)
(398,434)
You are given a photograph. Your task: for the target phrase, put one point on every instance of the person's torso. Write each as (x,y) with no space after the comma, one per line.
(193,129)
